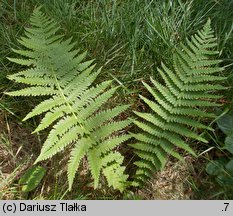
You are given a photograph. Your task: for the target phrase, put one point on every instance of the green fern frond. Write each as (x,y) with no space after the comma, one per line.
(78,152)
(177,104)
(74,105)
(113,170)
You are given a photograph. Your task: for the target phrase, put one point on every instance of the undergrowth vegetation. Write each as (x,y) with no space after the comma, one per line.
(162,88)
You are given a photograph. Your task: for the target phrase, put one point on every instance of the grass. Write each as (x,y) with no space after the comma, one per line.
(130,38)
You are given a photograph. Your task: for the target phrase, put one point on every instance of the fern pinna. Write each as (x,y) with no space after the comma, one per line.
(176,106)
(74,104)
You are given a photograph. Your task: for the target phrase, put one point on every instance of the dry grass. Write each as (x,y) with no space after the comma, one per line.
(16,155)
(175,182)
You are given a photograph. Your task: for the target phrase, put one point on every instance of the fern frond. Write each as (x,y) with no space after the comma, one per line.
(45,106)
(34,91)
(114,171)
(95,164)
(73,108)
(176,106)
(78,152)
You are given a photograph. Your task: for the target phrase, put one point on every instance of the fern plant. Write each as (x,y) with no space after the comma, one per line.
(74,106)
(177,105)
